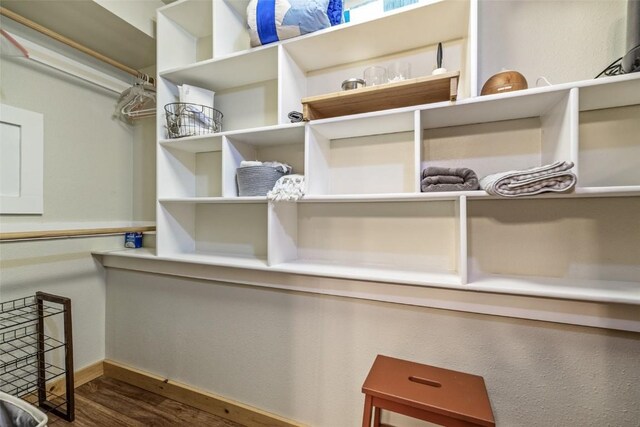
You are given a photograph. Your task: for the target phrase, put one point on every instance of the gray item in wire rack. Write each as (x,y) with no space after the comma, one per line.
(257,180)
(184,119)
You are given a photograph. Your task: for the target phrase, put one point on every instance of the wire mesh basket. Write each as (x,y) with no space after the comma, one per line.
(184,119)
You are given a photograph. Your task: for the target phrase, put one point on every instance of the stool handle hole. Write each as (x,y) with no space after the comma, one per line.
(425,381)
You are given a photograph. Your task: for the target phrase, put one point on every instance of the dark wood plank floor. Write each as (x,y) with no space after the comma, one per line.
(112,403)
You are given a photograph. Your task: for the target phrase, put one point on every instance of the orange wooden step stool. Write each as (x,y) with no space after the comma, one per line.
(437,395)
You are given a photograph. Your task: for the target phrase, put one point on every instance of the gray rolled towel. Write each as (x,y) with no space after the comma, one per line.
(436,178)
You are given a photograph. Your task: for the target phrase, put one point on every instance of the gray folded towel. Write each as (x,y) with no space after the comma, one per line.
(554,177)
(448,179)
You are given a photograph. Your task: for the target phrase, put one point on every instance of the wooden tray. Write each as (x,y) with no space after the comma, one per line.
(421,90)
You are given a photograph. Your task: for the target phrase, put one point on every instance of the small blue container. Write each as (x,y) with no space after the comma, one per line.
(133,240)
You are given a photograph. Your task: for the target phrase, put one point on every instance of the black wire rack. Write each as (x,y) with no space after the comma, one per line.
(26,369)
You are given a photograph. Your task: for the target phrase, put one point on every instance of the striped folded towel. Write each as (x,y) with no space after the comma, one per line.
(555,177)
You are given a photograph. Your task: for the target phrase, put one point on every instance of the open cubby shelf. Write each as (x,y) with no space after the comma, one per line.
(358,168)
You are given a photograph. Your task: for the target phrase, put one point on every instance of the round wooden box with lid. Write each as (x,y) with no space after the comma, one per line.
(504,81)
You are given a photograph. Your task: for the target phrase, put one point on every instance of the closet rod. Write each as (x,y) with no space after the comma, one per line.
(62,39)
(63,234)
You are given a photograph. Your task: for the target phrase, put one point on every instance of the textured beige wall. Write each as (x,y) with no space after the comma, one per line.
(63,267)
(88,174)
(88,157)
(563,40)
(305,356)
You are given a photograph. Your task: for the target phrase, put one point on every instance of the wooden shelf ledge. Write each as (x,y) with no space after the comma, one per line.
(406,93)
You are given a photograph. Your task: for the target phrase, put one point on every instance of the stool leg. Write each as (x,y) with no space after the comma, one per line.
(376,417)
(366,417)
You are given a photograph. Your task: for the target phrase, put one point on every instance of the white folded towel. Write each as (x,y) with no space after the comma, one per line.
(519,183)
(245,163)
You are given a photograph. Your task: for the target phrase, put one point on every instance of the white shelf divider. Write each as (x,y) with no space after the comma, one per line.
(233,153)
(461,238)
(176,173)
(292,87)
(175,229)
(559,139)
(283,232)
(317,157)
(417,152)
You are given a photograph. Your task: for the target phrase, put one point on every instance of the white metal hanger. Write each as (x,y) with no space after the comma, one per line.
(137,102)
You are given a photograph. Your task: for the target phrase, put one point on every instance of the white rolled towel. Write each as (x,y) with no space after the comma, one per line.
(555,177)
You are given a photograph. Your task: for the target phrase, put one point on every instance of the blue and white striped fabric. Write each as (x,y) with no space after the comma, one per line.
(273,20)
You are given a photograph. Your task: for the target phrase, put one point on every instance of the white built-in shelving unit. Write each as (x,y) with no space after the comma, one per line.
(363,216)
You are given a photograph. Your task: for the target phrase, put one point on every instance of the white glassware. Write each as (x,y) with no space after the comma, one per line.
(375,75)
(399,71)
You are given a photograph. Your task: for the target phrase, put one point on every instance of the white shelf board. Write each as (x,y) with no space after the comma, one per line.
(195,144)
(148,253)
(491,108)
(608,92)
(204,258)
(542,287)
(389,197)
(574,289)
(370,273)
(306,268)
(213,200)
(222,260)
(238,69)
(584,192)
(416,26)
(376,123)
(194,16)
(580,192)
(290,133)
(613,191)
